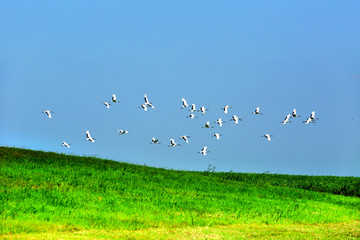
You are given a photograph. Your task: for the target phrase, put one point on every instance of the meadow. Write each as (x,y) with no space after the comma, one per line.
(56,196)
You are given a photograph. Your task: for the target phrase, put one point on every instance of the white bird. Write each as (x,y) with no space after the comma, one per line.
(113,99)
(286,120)
(123,131)
(219,121)
(193,108)
(267,136)
(173,143)
(312,116)
(184,103)
(257,111)
(192,116)
(107,105)
(155,141)
(207,125)
(143,106)
(225,108)
(147,101)
(204,151)
(235,119)
(217,135)
(48,112)
(65,144)
(308,120)
(311,119)
(293,114)
(185,138)
(88,137)
(203,110)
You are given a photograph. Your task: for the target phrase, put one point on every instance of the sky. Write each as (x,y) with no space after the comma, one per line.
(70,56)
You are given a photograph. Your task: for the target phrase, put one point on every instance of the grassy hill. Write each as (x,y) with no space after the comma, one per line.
(46,195)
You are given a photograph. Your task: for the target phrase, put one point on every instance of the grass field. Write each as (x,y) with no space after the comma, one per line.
(46,195)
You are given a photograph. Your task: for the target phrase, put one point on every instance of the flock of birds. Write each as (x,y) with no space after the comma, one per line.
(147,104)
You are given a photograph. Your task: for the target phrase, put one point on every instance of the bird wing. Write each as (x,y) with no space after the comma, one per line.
(146,99)
(184,101)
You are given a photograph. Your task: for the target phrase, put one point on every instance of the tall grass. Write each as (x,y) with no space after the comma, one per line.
(347,186)
(43,191)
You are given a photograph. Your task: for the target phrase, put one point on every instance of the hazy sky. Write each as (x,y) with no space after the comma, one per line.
(70,56)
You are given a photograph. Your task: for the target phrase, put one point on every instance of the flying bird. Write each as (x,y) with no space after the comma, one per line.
(123,131)
(217,136)
(267,136)
(235,119)
(48,112)
(192,116)
(173,143)
(219,121)
(257,111)
(155,141)
(286,120)
(225,108)
(207,125)
(204,151)
(193,108)
(311,119)
(107,105)
(65,144)
(184,103)
(88,137)
(147,102)
(203,110)
(312,116)
(294,114)
(185,138)
(113,99)
(308,120)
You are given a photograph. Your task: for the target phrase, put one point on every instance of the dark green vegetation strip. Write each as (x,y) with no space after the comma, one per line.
(44,191)
(347,186)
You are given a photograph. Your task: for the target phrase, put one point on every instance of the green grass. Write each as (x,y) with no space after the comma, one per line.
(43,194)
(347,186)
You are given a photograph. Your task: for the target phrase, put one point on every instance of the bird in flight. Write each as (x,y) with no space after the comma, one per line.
(113,98)
(173,143)
(122,131)
(294,114)
(155,141)
(207,125)
(65,144)
(192,116)
(107,105)
(48,112)
(286,120)
(147,102)
(257,111)
(225,108)
(217,136)
(219,121)
(267,136)
(184,103)
(88,137)
(185,138)
(204,151)
(235,119)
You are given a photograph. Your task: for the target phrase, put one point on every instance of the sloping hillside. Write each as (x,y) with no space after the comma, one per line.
(43,194)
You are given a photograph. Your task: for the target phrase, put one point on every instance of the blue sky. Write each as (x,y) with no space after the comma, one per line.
(71,56)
